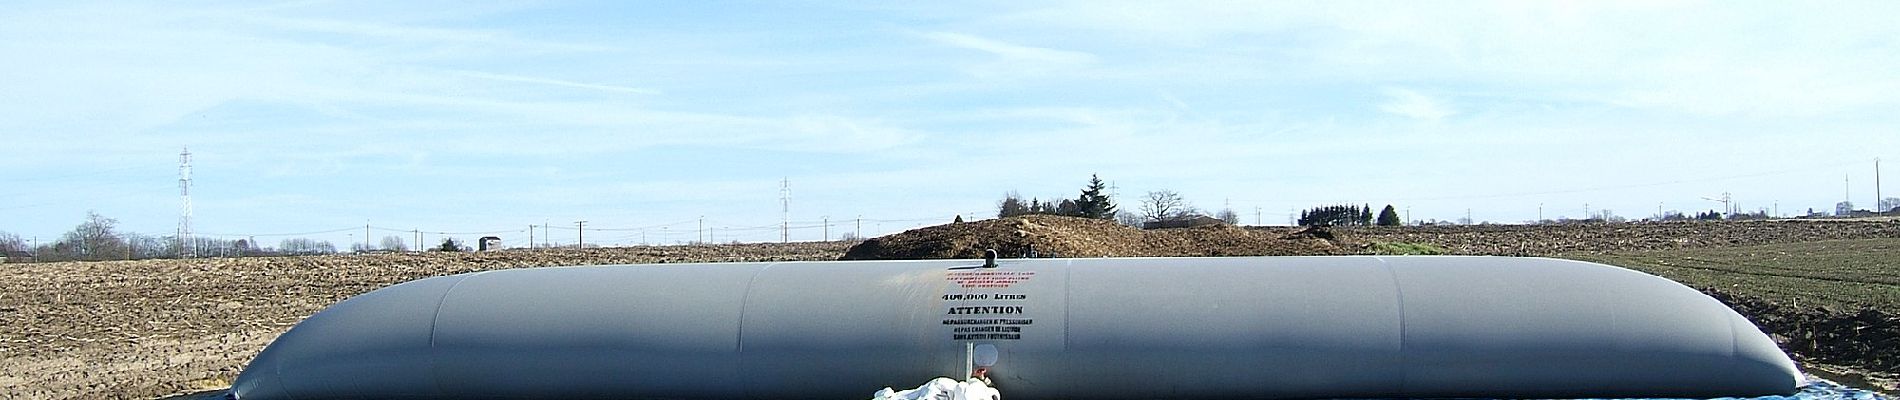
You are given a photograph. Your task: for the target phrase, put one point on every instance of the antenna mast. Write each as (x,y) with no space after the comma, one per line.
(185,248)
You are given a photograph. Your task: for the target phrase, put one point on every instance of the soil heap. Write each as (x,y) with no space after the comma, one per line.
(1033,236)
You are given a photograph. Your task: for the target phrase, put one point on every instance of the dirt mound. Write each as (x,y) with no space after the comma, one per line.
(1056,236)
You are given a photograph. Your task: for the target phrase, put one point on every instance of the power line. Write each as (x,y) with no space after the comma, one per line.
(277,234)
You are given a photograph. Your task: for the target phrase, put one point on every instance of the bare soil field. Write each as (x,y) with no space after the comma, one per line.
(157,328)
(153,328)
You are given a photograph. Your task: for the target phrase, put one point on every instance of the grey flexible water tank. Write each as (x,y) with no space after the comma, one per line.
(1110,328)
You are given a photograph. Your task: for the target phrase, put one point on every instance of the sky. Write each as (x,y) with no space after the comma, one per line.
(316,118)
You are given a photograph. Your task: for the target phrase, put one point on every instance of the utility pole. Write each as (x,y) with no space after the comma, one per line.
(366,235)
(580,234)
(701,233)
(418,233)
(1586,211)
(1877,197)
(544,234)
(827,229)
(860,229)
(530,236)
(1256,216)
(1540,213)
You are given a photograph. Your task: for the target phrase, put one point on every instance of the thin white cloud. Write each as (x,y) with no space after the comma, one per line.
(1412,104)
(409,33)
(555,82)
(1010,50)
(1013,59)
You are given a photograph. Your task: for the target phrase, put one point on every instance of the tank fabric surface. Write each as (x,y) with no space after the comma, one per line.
(1104,328)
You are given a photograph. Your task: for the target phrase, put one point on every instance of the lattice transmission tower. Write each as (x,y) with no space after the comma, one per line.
(185,246)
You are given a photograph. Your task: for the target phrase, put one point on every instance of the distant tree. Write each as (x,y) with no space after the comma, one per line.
(142,246)
(1012,205)
(1229,216)
(1127,218)
(1606,215)
(1068,208)
(847,236)
(394,243)
(303,246)
(11,245)
(1093,203)
(1164,205)
(450,244)
(93,240)
(1344,214)
(1889,204)
(1843,209)
(11,242)
(1389,216)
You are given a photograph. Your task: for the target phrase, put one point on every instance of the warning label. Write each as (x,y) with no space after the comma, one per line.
(988,279)
(987,321)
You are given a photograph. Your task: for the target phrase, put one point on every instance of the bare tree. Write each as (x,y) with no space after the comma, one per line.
(302,246)
(92,240)
(1165,205)
(1229,216)
(1128,218)
(11,245)
(394,243)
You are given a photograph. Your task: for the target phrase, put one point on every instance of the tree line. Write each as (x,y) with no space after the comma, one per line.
(1091,203)
(1159,208)
(1168,209)
(99,239)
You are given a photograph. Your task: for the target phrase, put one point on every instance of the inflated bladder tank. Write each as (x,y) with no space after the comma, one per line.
(1109,328)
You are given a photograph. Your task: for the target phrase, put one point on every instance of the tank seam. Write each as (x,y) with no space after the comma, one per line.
(1405,373)
(1068,276)
(1734,338)
(738,341)
(435,319)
